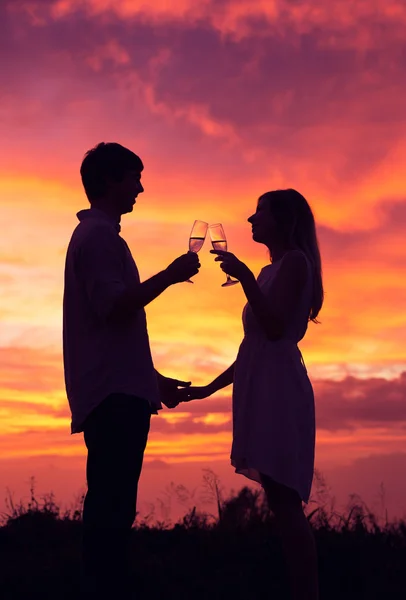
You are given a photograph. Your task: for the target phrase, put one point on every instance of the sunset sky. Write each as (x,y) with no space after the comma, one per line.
(223,100)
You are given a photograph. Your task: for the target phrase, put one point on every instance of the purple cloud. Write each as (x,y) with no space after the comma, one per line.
(303,86)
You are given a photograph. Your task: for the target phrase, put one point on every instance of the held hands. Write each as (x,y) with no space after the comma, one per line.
(174,391)
(169,391)
(230,264)
(183,267)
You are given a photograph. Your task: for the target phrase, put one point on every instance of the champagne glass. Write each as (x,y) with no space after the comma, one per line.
(219,242)
(197,237)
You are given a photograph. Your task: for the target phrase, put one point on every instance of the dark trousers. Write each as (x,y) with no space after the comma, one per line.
(115,435)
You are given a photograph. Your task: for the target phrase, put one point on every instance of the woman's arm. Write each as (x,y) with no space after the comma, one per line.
(200,392)
(274,312)
(222,381)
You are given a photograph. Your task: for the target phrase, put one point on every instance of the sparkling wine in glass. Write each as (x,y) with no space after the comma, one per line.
(219,242)
(197,237)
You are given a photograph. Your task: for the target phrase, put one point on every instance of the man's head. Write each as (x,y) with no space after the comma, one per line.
(111,176)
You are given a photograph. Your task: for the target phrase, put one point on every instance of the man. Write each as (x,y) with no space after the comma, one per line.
(111,383)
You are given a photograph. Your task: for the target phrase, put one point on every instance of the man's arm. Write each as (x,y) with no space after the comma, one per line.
(101,267)
(139,295)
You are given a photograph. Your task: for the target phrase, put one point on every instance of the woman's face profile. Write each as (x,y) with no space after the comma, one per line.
(263,224)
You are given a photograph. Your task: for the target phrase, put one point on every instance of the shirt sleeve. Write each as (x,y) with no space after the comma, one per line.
(100,267)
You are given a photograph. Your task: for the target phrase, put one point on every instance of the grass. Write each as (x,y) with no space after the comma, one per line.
(233,554)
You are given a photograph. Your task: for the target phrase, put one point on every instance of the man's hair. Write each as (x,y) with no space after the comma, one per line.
(106,161)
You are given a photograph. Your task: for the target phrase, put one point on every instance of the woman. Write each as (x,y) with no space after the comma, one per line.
(273,402)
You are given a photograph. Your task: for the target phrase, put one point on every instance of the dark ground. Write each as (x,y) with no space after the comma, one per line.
(238,557)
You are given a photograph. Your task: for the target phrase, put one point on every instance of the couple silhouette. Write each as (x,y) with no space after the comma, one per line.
(113,387)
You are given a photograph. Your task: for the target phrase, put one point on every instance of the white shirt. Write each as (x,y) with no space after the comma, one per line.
(102,356)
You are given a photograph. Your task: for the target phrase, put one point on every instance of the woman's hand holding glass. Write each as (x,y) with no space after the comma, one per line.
(219,242)
(230,264)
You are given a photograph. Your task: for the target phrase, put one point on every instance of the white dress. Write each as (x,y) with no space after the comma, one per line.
(273,401)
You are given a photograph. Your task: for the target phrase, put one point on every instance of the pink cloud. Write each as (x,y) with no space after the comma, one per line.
(361,403)
(238,17)
(308,94)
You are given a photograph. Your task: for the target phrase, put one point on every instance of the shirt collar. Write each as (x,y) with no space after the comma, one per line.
(96,213)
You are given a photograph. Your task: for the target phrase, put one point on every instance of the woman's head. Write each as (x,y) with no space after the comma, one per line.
(284,221)
(282,218)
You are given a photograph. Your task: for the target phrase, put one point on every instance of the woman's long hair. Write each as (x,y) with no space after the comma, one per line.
(296,227)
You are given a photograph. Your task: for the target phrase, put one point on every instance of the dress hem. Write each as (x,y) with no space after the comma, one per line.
(253,474)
